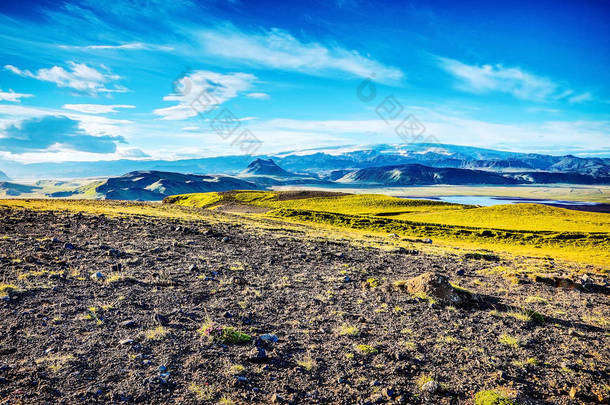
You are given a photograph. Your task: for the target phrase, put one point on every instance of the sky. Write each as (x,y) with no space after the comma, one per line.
(90,80)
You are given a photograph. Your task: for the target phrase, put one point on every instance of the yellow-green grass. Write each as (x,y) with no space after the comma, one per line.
(110,208)
(529,217)
(363,204)
(590,248)
(195,199)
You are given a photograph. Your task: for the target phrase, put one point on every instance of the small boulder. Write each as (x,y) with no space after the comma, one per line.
(437,286)
(258,354)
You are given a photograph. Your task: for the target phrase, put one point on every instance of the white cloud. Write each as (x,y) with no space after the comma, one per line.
(79,77)
(131,153)
(278,49)
(202,91)
(192,128)
(581,98)
(258,96)
(12,96)
(511,80)
(96,108)
(127,46)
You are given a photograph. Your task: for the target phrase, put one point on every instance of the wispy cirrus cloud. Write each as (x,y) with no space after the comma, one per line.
(203,90)
(79,77)
(278,49)
(258,96)
(42,133)
(131,46)
(96,108)
(511,80)
(12,96)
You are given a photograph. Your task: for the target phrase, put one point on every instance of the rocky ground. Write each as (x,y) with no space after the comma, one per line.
(140,310)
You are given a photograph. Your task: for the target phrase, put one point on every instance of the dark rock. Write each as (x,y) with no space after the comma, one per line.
(161,319)
(460,272)
(258,354)
(114,253)
(130,323)
(389,392)
(277,399)
(69,246)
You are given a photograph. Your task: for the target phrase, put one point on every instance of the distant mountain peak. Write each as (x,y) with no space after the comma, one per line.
(266,167)
(3,176)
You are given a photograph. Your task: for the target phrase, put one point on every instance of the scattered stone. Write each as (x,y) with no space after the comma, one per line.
(389,392)
(130,323)
(460,272)
(98,276)
(228,315)
(126,342)
(277,399)
(69,246)
(258,354)
(135,262)
(430,387)
(406,251)
(193,268)
(161,319)
(392,235)
(55,240)
(347,279)
(114,253)
(269,337)
(225,239)
(426,240)
(238,281)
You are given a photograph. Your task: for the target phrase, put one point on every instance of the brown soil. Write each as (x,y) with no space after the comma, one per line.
(171,276)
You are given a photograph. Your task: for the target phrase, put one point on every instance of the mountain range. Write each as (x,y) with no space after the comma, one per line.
(379,166)
(321,163)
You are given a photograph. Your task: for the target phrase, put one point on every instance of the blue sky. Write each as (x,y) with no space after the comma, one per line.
(84,81)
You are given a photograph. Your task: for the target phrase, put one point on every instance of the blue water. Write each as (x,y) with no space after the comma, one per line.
(487,201)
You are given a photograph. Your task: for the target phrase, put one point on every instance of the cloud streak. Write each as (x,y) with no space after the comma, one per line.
(511,80)
(96,108)
(12,96)
(131,46)
(278,49)
(79,77)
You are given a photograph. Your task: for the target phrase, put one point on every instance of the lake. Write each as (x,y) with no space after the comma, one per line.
(487,201)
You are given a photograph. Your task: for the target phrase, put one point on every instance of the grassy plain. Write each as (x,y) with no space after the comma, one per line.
(524,229)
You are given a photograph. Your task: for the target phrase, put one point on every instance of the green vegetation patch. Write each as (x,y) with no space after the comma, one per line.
(491,397)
